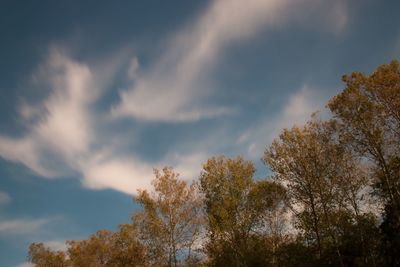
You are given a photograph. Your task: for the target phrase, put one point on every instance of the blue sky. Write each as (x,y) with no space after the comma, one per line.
(95,95)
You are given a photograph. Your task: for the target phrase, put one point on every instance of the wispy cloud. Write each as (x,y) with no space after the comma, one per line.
(189,164)
(4,198)
(118,172)
(22,226)
(62,124)
(56,245)
(20,230)
(296,111)
(173,90)
(63,136)
(25,264)
(24,151)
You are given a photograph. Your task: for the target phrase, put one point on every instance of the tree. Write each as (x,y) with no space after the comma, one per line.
(245,221)
(105,248)
(44,257)
(369,112)
(226,184)
(271,203)
(170,223)
(127,250)
(95,251)
(323,182)
(369,109)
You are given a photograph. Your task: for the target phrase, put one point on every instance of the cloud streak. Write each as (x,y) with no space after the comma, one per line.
(4,198)
(173,89)
(61,124)
(25,264)
(296,111)
(22,226)
(63,137)
(62,140)
(56,245)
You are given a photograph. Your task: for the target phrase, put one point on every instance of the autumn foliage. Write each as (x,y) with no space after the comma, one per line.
(333,198)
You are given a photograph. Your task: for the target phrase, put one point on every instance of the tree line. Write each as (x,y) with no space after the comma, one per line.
(333,198)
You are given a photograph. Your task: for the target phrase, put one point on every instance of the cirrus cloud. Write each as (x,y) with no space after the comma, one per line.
(62,136)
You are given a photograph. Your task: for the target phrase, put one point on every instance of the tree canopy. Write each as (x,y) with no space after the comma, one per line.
(332,199)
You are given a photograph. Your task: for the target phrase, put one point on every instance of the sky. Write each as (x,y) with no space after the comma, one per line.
(95,94)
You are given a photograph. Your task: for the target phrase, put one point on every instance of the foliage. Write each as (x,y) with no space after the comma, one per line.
(171,220)
(44,257)
(105,248)
(333,198)
(226,184)
(243,216)
(369,112)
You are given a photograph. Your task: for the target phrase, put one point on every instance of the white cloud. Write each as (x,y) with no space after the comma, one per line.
(26,151)
(64,132)
(4,198)
(27,111)
(172,89)
(56,245)
(25,264)
(340,15)
(67,125)
(122,174)
(63,127)
(133,68)
(189,164)
(22,226)
(296,111)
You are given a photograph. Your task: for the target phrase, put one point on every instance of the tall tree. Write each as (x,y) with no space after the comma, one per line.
(322,181)
(245,221)
(170,223)
(269,200)
(369,110)
(226,184)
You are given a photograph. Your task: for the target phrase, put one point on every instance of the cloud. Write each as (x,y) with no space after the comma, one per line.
(67,124)
(339,15)
(56,245)
(25,264)
(22,226)
(124,174)
(4,198)
(63,136)
(24,151)
(173,90)
(189,164)
(296,111)
(133,68)
(251,143)
(61,139)
(62,126)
